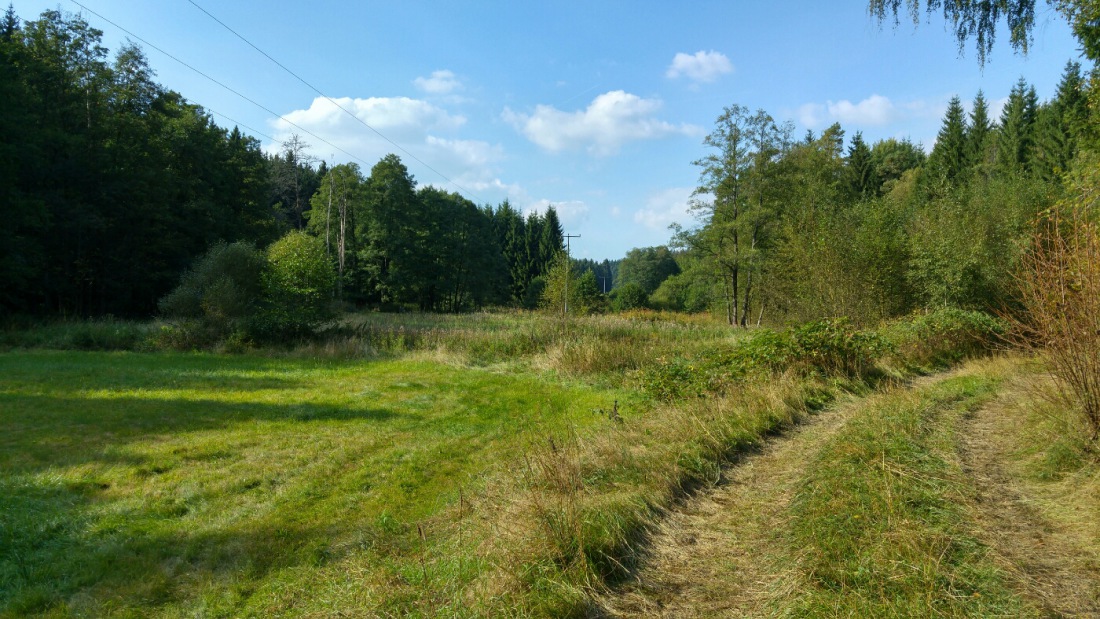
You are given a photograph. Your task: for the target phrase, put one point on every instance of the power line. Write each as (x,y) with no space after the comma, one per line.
(330,99)
(253,102)
(238,123)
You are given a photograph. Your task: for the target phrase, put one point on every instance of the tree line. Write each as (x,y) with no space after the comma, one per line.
(795,229)
(113,186)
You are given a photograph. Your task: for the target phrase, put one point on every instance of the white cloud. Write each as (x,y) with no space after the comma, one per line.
(874,111)
(699,67)
(440,83)
(611,120)
(417,126)
(666,207)
(570,212)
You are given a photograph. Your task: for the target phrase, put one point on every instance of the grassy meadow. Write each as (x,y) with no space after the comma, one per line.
(399,465)
(180,479)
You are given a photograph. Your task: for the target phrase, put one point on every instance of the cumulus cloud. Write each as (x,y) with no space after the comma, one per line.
(439,83)
(570,212)
(425,130)
(874,111)
(611,120)
(665,208)
(700,66)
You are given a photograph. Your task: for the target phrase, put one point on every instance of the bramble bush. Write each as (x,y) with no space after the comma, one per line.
(944,336)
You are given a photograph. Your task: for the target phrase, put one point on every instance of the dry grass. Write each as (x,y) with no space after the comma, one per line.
(1038,489)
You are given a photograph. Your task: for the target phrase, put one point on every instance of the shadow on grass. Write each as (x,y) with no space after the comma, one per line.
(56,556)
(65,372)
(67,545)
(43,431)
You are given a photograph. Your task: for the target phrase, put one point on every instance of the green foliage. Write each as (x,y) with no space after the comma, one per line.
(892,159)
(741,193)
(628,296)
(647,267)
(298,288)
(950,158)
(944,336)
(222,285)
(112,185)
(690,291)
(567,293)
(831,348)
(971,20)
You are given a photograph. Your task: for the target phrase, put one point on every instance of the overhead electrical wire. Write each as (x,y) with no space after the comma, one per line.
(329,99)
(246,98)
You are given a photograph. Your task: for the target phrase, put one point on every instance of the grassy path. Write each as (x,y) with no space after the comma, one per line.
(1049,562)
(715,556)
(868,509)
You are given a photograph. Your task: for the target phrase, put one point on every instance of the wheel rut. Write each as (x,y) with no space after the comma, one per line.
(1044,560)
(715,554)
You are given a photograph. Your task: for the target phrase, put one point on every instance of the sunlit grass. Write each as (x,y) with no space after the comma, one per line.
(173,482)
(484,465)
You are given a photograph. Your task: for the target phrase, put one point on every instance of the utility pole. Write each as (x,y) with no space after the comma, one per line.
(568,268)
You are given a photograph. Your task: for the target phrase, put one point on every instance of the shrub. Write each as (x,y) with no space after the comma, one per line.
(945,336)
(218,293)
(628,296)
(835,347)
(298,288)
(1060,291)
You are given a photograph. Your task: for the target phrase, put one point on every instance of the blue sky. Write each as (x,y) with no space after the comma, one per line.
(598,108)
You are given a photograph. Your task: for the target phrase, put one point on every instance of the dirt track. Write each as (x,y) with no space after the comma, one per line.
(710,557)
(1046,561)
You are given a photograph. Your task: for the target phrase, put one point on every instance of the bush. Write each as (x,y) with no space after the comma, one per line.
(628,296)
(298,287)
(945,336)
(835,347)
(218,293)
(1060,290)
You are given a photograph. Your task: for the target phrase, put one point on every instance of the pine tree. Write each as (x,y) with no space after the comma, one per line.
(1059,126)
(1015,136)
(979,134)
(949,157)
(859,171)
(552,239)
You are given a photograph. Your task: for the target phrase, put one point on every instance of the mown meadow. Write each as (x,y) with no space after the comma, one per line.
(398,465)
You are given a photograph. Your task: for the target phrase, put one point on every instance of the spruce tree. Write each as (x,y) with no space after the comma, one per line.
(1015,137)
(948,160)
(859,172)
(1059,125)
(979,134)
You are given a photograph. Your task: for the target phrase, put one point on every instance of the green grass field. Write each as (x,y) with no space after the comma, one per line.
(399,465)
(184,483)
